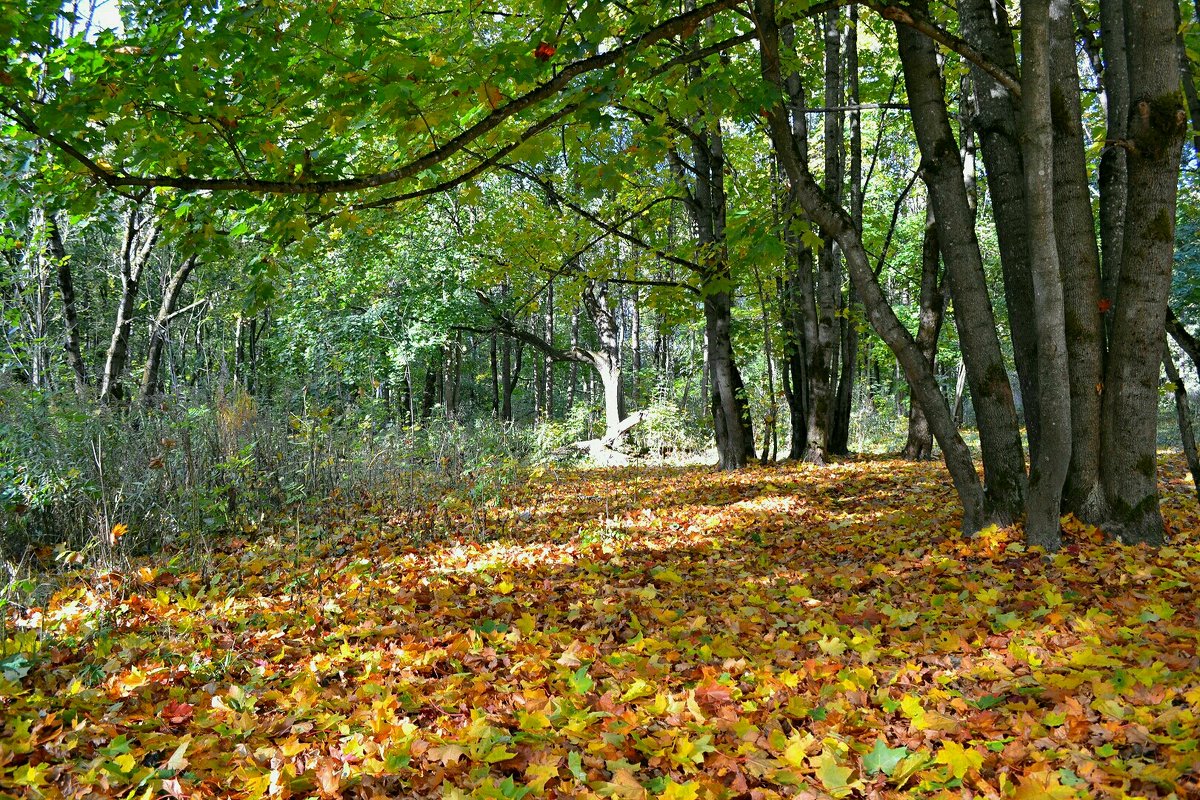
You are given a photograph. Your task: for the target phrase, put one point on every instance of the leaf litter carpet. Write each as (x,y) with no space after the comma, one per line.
(678,633)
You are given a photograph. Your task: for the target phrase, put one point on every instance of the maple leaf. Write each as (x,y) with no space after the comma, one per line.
(883,758)
(961,760)
(832,775)
(177,713)
(544,51)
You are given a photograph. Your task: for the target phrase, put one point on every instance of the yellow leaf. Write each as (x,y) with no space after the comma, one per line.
(680,791)
(796,753)
(961,760)
(537,774)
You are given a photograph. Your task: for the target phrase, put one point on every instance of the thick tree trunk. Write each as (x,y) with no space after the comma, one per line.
(159,330)
(134,257)
(919,446)
(66,289)
(985,25)
(1155,139)
(835,220)
(995,410)
(1183,413)
(1042,189)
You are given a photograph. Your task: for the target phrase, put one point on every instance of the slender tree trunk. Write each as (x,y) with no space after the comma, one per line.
(995,410)
(833,219)
(433,372)
(1183,413)
(1113,172)
(493,357)
(839,437)
(159,330)
(1157,126)
(548,362)
(1042,188)
(919,446)
(1185,340)
(66,289)
(574,379)
(798,296)
(134,257)
(985,26)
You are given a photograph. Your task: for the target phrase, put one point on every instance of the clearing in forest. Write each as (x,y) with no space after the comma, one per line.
(675,633)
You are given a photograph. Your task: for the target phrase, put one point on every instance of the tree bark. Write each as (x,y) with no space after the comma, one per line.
(1154,143)
(995,410)
(1049,470)
(159,330)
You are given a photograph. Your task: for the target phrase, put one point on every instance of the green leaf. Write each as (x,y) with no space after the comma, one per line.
(575,764)
(581,682)
(883,758)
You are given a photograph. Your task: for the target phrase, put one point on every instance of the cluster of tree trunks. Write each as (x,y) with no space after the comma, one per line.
(1090,393)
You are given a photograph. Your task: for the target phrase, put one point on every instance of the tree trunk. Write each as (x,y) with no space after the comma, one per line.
(1042,189)
(1079,260)
(1113,172)
(1183,413)
(66,289)
(985,26)
(493,357)
(835,220)
(839,435)
(134,257)
(159,331)
(919,446)
(1155,139)
(548,362)
(995,410)
(732,427)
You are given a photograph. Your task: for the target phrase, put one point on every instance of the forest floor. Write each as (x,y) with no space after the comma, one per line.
(632,633)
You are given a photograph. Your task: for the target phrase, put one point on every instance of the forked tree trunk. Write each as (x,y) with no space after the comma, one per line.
(134,257)
(159,330)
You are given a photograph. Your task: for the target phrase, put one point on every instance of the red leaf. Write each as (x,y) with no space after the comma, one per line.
(177,713)
(544,51)
(1105,305)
